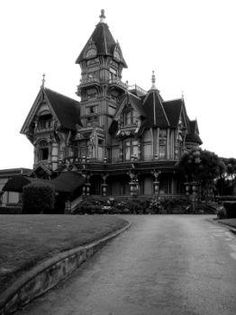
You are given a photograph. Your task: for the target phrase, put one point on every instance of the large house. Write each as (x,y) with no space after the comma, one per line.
(123,140)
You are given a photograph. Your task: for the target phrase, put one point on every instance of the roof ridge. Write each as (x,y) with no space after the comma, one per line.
(158,95)
(134,95)
(105,40)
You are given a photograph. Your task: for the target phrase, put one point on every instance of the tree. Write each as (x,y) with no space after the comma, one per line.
(38,198)
(203,167)
(227,180)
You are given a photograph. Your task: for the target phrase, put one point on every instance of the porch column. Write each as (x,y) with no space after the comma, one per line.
(67,207)
(187,188)
(88,185)
(156,182)
(104,185)
(132,183)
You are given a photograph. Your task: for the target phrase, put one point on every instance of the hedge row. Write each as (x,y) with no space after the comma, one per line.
(96,205)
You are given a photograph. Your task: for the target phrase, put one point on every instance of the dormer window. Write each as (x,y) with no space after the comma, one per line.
(128,118)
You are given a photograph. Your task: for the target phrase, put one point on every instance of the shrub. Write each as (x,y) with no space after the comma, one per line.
(38,198)
(106,205)
(221,213)
(230,208)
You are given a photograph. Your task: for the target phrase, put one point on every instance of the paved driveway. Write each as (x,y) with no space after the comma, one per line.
(162,265)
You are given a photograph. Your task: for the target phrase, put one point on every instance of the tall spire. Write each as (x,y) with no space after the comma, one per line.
(153,81)
(102,16)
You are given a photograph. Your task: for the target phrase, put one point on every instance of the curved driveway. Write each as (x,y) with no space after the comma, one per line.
(161,265)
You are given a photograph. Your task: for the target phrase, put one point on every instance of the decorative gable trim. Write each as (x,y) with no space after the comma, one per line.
(41,97)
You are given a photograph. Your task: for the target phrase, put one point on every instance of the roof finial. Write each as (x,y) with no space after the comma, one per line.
(153,80)
(43,81)
(102,16)
(182,96)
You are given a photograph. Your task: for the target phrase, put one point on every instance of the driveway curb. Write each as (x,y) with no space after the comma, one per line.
(49,273)
(233,230)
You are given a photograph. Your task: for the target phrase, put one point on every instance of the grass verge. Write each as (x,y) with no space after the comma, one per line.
(26,240)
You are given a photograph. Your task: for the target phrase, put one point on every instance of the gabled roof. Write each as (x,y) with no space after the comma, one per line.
(173,110)
(154,110)
(134,101)
(64,108)
(104,42)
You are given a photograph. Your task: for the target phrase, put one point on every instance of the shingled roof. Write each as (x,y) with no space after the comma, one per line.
(104,42)
(66,109)
(173,110)
(154,110)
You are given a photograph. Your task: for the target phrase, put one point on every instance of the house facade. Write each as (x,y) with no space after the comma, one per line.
(122,139)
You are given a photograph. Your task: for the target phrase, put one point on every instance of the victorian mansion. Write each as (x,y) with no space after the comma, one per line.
(121,140)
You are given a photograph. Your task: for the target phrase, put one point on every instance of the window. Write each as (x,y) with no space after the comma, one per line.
(43,152)
(131,149)
(163,133)
(162,152)
(92,121)
(100,142)
(128,118)
(162,143)
(45,122)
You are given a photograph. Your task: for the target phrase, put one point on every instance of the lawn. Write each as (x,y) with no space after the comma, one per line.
(25,240)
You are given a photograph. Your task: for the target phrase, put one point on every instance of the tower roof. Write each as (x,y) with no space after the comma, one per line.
(103,41)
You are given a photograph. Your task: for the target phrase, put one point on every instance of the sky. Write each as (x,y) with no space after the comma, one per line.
(190,44)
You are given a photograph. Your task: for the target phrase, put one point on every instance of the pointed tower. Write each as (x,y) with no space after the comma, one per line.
(100,87)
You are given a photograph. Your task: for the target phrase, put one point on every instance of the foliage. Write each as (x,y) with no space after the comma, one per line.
(38,198)
(155,205)
(227,180)
(221,212)
(230,208)
(203,167)
(230,168)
